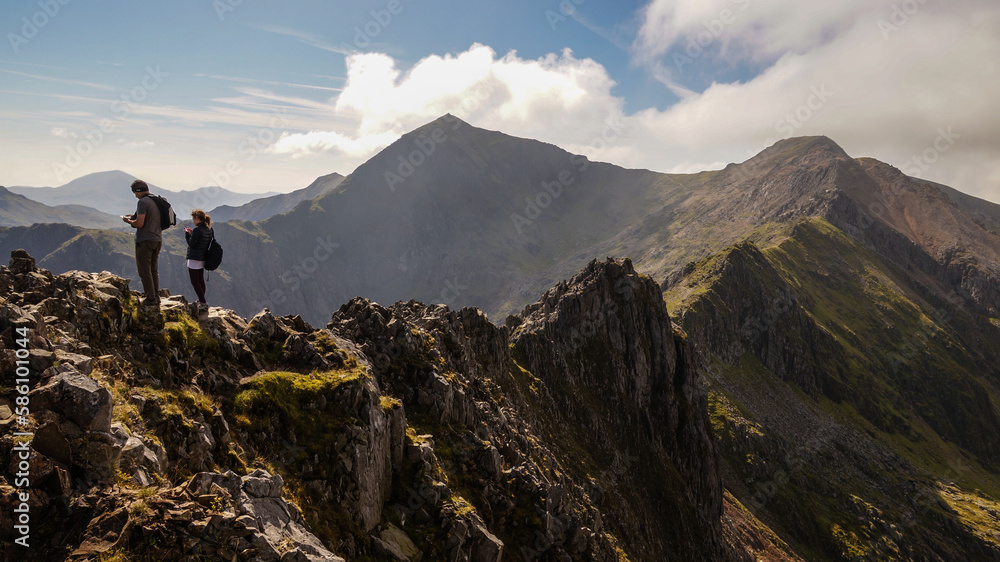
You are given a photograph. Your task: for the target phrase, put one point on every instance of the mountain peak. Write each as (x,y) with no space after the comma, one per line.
(447,120)
(788,153)
(796,147)
(110,175)
(609,274)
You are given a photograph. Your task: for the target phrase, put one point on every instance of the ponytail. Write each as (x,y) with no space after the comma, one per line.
(202,216)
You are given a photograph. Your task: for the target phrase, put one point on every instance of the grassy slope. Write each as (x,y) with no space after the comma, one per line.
(920,388)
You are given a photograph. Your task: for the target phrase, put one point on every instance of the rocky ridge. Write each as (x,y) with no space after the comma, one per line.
(576,431)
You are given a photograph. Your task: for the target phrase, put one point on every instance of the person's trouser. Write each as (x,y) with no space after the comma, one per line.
(198,282)
(147,257)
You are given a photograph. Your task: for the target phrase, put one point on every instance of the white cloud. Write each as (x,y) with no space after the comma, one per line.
(558,98)
(136,144)
(300,144)
(307,38)
(58,80)
(874,78)
(881,83)
(754,29)
(267,82)
(63,133)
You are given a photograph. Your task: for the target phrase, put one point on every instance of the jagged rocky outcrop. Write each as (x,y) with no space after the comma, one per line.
(577,430)
(597,352)
(612,362)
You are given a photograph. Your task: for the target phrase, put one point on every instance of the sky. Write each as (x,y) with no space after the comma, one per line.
(262,95)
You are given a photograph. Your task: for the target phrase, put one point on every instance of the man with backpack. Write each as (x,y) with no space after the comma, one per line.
(148,241)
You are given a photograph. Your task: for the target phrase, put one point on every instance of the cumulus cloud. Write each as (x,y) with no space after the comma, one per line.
(558,98)
(299,144)
(883,79)
(756,29)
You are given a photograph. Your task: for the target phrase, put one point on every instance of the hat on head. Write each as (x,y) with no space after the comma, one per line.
(138,186)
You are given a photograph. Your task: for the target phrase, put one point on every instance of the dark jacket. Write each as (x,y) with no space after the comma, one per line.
(199,239)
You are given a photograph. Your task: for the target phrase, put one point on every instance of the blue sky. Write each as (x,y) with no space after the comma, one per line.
(262,95)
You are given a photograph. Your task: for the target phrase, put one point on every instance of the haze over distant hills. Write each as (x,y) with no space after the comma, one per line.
(266,207)
(110,192)
(18,210)
(847,316)
(487,219)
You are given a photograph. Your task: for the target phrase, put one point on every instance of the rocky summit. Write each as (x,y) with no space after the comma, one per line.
(577,430)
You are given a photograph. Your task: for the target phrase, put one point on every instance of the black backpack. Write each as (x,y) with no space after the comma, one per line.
(167,216)
(213,257)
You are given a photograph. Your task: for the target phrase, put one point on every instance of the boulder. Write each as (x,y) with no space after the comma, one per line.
(258,505)
(393,542)
(40,359)
(83,363)
(98,455)
(264,326)
(50,441)
(78,398)
(486,547)
(21,262)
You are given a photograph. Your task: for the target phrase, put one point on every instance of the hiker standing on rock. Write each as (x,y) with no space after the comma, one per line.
(148,242)
(198,239)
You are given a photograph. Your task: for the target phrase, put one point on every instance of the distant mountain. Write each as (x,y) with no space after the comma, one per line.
(110,192)
(68,247)
(17,210)
(455,214)
(450,213)
(267,207)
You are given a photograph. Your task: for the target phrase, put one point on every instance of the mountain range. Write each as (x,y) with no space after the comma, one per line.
(110,191)
(488,220)
(845,317)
